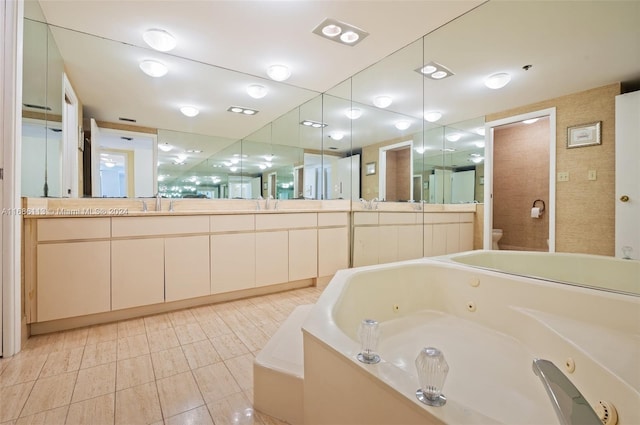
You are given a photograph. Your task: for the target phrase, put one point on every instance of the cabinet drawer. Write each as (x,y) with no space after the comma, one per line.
(398,218)
(63,229)
(333,219)
(286,221)
(155,226)
(232,223)
(361,218)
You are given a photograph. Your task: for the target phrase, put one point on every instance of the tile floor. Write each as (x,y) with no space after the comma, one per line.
(192,366)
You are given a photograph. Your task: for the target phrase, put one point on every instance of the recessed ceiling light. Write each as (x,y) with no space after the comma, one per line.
(349,37)
(476,159)
(110,164)
(278,72)
(331,30)
(159,40)
(530,121)
(189,111)
(262,166)
(402,124)
(233,169)
(154,68)
(182,157)
(432,116)
(420,149)
(353,113)
(269,158)
(435,71)
(497,81)
(314,124)
(193,151)
(165,147)
(257,91)
(348,34)
(241,110)
(453,137)
(382,101)
(447,150)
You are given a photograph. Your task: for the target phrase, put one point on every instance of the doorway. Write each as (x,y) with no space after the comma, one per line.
(520,181)
(396,172)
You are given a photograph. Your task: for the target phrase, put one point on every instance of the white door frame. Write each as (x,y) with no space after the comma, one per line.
(382,167)
(488,173)
(70,135)
(11,19)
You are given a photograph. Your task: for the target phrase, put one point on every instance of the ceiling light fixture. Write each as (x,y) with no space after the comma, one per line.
(497,81)
(165,147)
(480,131)
(159,40)
(314,124)
(193,151)
(480,144)
(241,110)
(348,34)
(530,121)
(257,91)
(432,116)
(382,101)
(154,68)
(453,137)
(402,124)
(233,169)
(278,72)
(420,149)
(110,164)
(353,113)
(336,135)
(189,111)
(262,166)
(434,71)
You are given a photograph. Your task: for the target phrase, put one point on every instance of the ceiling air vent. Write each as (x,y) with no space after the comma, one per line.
(127,119)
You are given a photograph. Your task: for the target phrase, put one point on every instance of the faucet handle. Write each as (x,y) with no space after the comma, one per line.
(432,372)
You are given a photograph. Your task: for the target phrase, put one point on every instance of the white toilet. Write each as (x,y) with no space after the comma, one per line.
(496,235)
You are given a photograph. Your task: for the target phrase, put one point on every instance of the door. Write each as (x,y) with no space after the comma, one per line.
(628,175)
(96,191)
(70,182)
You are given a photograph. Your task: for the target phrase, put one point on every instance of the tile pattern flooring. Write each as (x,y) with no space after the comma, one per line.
(192,366)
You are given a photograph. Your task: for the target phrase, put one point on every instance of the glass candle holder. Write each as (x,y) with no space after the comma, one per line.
(369,334)
(432,372)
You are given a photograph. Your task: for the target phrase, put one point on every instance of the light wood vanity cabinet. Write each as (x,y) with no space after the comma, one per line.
(80,266)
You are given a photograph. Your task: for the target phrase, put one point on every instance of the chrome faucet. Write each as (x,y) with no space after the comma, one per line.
(570,406)
(275,204)
(171,205)
(158,202)
(144,206)
(364,204)
(266,202)
(373,204)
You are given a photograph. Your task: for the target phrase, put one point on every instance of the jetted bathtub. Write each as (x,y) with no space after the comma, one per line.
(490,327)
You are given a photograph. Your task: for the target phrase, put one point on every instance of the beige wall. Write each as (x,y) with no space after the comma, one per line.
(585,210)
(520,177)
(370,185)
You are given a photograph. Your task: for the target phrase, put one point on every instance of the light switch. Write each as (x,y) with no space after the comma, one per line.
(592,175)
(563,176)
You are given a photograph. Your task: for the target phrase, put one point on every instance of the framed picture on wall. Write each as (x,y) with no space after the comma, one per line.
(371,168)
(584,135)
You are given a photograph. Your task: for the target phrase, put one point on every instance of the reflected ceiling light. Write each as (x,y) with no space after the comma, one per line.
(227,163)
(234,160)
(531,121)
(262,166)
(453,137)
(159,39)
(110,164)
(382,101)
(278,72)
(193,151)
(269,158)
(420,149)
(241,110)
(348,34)
(447,150)
(480,144)
(233,169)
(497,81)
(480,131)
(432,116)
(353,113)
(336,135)
(189,111)
(434,71)
(476,159)
(314,124)
(154,68)
(182,157)
(165,147)
(257,91)
(402,124)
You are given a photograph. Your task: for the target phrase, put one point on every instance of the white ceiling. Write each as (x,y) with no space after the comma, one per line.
(225,45)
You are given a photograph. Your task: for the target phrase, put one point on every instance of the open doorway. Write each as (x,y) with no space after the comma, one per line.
(520,182)
(396,172)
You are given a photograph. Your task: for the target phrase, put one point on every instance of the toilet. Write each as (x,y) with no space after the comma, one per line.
(496,235)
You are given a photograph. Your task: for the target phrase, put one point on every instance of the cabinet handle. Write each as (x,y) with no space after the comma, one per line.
(624,198)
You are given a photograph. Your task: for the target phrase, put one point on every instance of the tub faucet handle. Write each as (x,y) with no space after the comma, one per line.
(369,334)
(432,372)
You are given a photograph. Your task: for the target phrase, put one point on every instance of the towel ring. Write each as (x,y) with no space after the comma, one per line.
(539,200)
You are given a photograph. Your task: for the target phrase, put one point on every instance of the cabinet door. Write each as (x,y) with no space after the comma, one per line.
(439,239)
(303,254)
(410,244)
(233,262)
(73,279)
(333,250)
(137,272)
(272,257)
(388,244)
(365,246)
(466,237)
(186,267)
